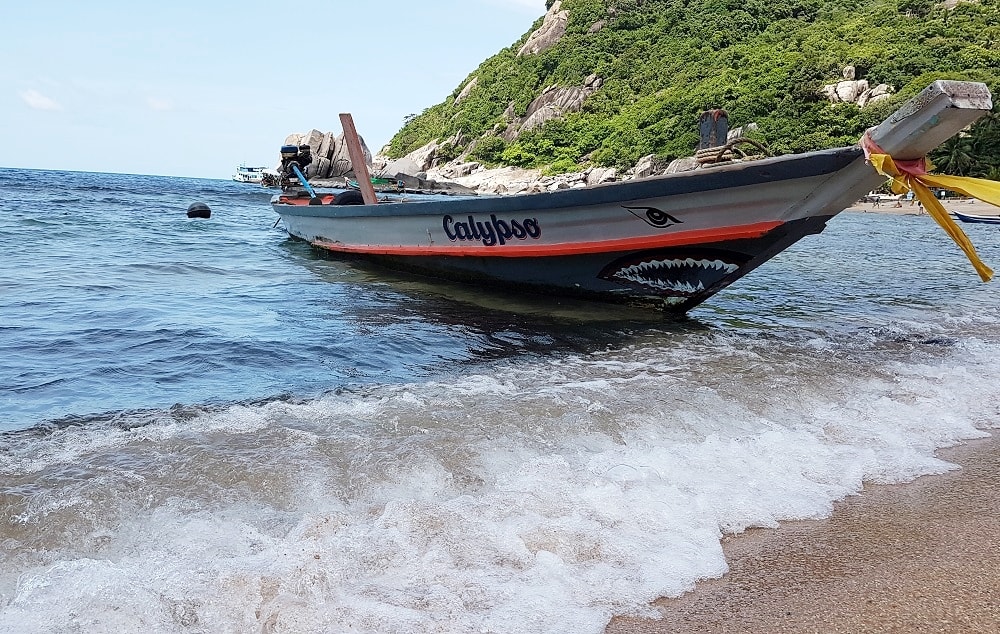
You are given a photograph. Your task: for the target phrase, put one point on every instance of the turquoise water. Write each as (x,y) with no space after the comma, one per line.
(207,426)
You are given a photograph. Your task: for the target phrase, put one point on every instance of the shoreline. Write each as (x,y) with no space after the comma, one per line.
(915,557)
(967,205)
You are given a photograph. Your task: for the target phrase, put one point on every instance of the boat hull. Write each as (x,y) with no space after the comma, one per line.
(669,242)
(673,278)
(977,219)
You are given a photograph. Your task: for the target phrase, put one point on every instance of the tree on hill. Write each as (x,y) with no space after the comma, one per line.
(662,62)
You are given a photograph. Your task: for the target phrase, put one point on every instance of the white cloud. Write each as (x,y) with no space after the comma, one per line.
(161,105)
(38,101)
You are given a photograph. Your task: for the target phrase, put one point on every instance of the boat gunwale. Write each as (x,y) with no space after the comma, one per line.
(774,169)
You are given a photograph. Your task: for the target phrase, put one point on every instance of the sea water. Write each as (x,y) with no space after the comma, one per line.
(208,427)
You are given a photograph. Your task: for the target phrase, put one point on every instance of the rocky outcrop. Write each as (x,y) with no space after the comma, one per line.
(331,158)
(551,31)
(647,166)
(878,93)
(417,161)
(423,164)
(554,102)
(855,91)
(466,90)
(517,180)
(514,180)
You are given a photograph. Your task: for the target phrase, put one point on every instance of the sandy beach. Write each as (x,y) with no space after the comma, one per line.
(968,206)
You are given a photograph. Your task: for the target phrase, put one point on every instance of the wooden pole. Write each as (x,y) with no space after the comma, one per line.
(358,159)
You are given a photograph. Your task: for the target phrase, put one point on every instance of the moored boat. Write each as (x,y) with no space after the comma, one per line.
(256,175)
(977,218)
(670,241)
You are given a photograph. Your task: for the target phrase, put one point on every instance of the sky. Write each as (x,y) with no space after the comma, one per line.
(194,89)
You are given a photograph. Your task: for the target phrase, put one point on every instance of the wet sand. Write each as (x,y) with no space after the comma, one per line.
(917,557)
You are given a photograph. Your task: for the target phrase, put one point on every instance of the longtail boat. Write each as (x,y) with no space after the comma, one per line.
(671,241)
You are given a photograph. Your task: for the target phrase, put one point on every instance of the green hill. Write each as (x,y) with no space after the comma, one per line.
(663,62)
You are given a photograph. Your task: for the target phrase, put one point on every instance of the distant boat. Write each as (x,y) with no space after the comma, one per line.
(670,241)
(985,220)
(256,175)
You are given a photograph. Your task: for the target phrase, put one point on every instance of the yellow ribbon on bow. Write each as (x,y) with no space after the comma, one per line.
(912,175)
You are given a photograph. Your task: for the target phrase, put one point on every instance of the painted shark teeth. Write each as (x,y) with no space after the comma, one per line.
(661,275)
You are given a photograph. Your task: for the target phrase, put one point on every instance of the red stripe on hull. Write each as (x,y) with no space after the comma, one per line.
(681,238)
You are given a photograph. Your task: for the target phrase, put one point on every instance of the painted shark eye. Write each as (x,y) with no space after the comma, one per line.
(653,216)
(658,218)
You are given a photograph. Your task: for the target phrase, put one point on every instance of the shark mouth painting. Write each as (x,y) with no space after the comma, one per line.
(680,273)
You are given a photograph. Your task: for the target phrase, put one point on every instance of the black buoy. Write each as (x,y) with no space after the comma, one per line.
(199,210)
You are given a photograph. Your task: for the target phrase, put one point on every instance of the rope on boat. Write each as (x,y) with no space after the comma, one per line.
(728,151)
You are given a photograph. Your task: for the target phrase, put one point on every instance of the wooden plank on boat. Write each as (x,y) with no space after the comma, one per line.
(929,119)
(358,163)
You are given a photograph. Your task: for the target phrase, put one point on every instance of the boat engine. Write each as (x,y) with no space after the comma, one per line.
(293,156)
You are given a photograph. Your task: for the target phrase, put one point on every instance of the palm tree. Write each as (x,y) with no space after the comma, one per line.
(954,156)
(986,142)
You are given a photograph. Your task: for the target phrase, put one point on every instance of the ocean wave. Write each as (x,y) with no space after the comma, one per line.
(569,488)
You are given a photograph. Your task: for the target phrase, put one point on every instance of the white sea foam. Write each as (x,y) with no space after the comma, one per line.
(540,496)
